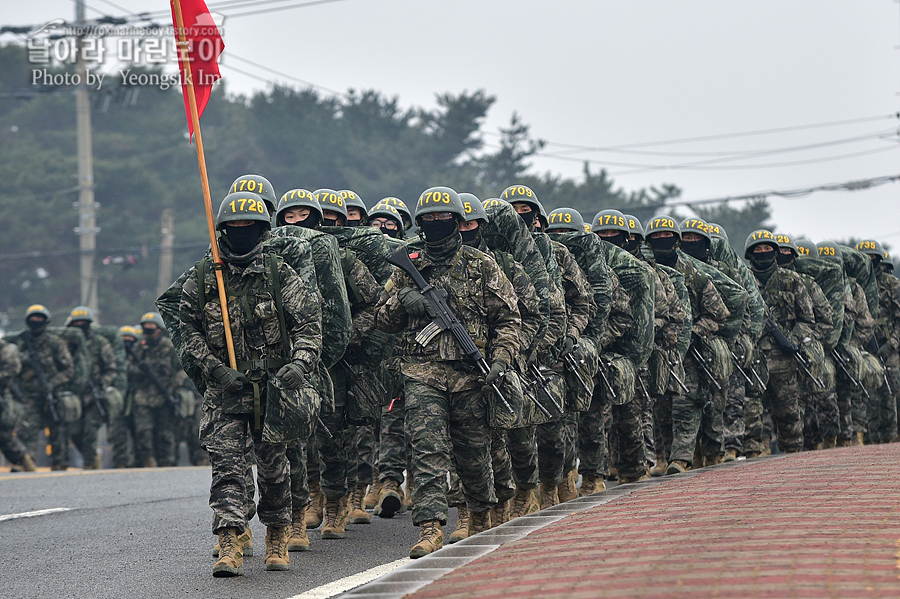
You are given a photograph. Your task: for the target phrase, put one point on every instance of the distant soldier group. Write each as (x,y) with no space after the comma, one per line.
(71,380)
(485,364)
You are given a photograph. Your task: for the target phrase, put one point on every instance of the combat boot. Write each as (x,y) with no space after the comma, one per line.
(751,454)
(677,467)
(730,455)
(613,473)
(767,447)
(431,538)
(371,498)
(277,556)
(860,438)
(523,503)
(299,540)
(149,462)
(500,513)
(625,479)
(358,514)
(231,558)
(462,525)
(246,541)
(390,501)
(829,443)
(333,523)
(28,464)
(590,485)
(567,490)
(713,460)
(479,522)
(406,504)
(661,464)
(549,496)
(314,509)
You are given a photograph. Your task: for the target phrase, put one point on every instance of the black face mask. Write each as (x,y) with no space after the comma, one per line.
(762,260)
(85,328)
(784,259)
(632,246)
(664,249)
(618,239)
(697,249)
(395,233)
(310,222)
(528,218)
(36,327)
(329,222)
(243,239)
(437,230)
(353,223)
(472,238)
(150,336)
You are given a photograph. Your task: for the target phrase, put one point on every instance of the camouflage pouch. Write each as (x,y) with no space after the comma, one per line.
(321,380)
(621,374)
(363,396)
(11,414)
(854,360)
(657,371)
(829,375)
(290,413)
(872,372)
(578,399)
(498,415)
(815,356)
(676,369)
(68,406)
(187,402)
(717,352)
(550,395)
(114,401)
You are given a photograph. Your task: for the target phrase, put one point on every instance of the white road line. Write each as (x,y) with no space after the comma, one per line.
(351,582)
(33,514)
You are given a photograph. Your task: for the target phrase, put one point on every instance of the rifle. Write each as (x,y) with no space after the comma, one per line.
(842,363)
(148,372)
(675,376)
(790,349)
(98,401)
(762,385)
(704,365)
(355,380)
(444,318)
(644,388)
(601,368)
(541,382)
(572,365)
(737,365)
(873,345)
(52,402)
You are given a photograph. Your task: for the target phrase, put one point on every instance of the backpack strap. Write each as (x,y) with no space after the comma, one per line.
(279,304)
(347,266)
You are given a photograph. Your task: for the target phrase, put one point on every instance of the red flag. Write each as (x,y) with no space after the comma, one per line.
(204,47)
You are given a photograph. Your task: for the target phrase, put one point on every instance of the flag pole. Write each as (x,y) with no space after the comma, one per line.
(201,160)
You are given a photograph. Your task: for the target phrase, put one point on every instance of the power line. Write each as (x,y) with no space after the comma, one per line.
(279,73)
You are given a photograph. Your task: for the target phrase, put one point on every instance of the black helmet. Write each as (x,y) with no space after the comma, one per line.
(759,237)
(473,207)
(242,206)
(807,248)
(660,224)
(609,220)
(871,248)
(831,251)
(634,226)
(37,309)
(440,199)
(296,198)
(259,185)
(717,231)
(352,200)
(564,219)
(329,199)
(401,208)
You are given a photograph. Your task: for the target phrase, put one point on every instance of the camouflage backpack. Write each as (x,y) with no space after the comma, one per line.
(115,398)
(638,280)
(859,266)
(831,279)
(369,245)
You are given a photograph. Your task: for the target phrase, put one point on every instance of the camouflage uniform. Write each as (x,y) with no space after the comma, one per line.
(154,414)
(792,309)
(446,410)
(230,418)
(52,353)
(857,330)
(882,417)
(10,366)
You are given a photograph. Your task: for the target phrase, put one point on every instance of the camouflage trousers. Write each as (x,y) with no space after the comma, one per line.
(821,417)
(845,396)
(337,454)
(296,455)
(553,446)
(645,402)
(188,429)
(444,425)
(225,437)
(13,449)
(521,444)
(882,411)
(593,437)
(33,420)
(570,438)
(733,415)
(367,452)
(82,433)
(662,424)
(121,438)
(393,449)
(502,466)
(782,393)
(697,416)
(154,434)
(859,410)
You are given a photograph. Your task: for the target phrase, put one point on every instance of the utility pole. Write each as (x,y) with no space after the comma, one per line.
(165,252)
(87,225)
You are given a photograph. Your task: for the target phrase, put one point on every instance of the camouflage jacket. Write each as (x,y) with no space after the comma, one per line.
(556,327)
(52,353)
(822,311)
(162,360)
(789,305)
(104,366)
(369,245)
(363,292)
(10,365)
(254,318)
(708,310)
(478,293)
(528,302)
(755,315)
(887,325)
(669,311)
(863,324)
(580,307)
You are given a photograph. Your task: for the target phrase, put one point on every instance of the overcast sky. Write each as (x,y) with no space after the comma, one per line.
(602,74)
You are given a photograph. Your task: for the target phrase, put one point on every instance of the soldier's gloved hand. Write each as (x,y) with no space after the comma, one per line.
(695,342)
(532,359)
(568,346)
(415,303)
(229,378)
(292,374)
(885,350)
(498,369)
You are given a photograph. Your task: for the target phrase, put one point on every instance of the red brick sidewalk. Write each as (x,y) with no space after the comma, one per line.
(817,524)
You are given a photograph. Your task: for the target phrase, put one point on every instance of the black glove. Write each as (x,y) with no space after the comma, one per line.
(415,303)
(292,374)
(884,352)
(568,346)
(532,359)
(498,369)
(695,342)
(229,378)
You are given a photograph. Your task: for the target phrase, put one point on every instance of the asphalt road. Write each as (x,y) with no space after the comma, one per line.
(146,533)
